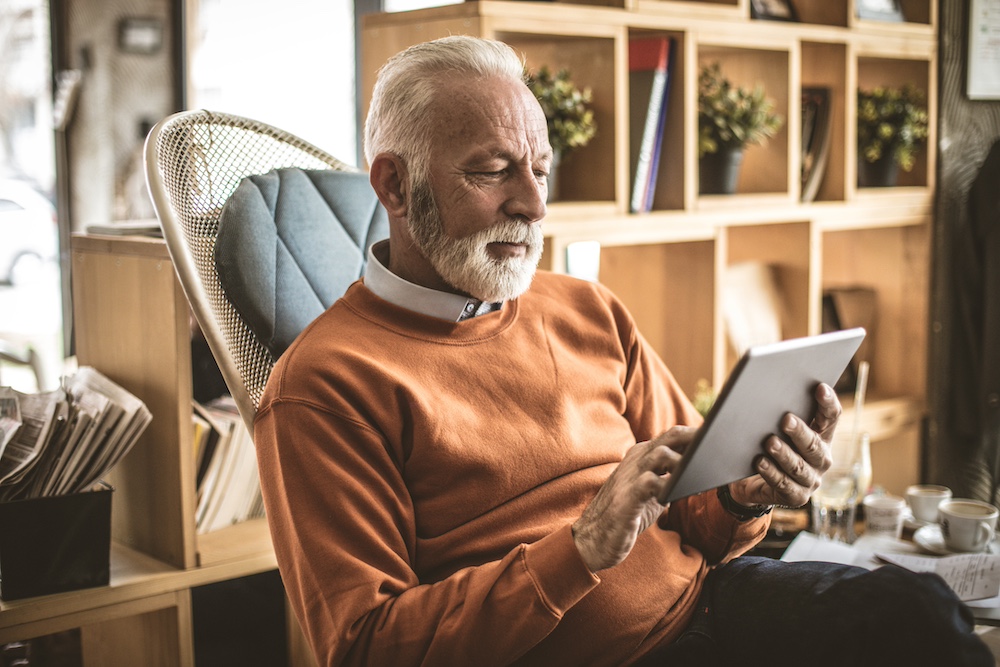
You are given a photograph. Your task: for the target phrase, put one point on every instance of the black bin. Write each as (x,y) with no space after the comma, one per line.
(55,544)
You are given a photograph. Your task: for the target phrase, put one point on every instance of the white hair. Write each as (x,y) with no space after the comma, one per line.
(406,86)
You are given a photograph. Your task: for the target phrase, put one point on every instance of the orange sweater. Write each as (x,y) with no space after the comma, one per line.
(421,477)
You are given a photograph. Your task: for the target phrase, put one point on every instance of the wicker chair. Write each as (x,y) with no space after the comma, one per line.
(195,160)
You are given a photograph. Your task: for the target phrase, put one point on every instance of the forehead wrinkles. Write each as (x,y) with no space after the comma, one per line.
(478,111)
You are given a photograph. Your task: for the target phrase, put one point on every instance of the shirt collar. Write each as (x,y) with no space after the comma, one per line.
(443,305)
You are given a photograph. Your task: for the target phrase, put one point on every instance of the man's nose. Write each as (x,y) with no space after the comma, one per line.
(526,199)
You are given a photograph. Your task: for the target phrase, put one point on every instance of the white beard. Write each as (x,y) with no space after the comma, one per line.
(465,263)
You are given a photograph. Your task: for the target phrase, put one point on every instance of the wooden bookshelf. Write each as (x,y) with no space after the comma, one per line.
(668,265)
(132,324)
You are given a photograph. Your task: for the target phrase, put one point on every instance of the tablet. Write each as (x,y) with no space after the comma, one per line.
(768,382)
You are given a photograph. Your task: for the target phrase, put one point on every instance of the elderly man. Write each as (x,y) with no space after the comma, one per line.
(460,459)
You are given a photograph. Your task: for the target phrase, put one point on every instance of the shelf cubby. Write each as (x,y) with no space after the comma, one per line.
(824,65)
(674,321)
(669,192)
(821,12)
(894,261)
(766,168)
(880,71)
(591,62)
(785,249)
(918,15)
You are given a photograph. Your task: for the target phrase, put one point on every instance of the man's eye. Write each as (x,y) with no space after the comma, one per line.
(488,174)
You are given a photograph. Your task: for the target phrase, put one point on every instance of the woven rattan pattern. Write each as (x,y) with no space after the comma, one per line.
(202,156)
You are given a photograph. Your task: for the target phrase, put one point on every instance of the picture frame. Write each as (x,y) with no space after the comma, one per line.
(880,10)
(982,73)
(773,10)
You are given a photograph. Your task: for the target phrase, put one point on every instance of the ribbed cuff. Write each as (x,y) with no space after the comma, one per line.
(558,572)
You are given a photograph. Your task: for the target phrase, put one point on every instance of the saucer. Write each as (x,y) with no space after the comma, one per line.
(912,523)
(930,539)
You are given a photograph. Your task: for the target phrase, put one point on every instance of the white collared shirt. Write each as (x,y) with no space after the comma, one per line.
(424,300)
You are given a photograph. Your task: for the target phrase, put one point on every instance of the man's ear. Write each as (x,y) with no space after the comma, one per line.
(390,179)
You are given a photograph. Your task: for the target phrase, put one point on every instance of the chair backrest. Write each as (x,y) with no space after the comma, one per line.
(195,160)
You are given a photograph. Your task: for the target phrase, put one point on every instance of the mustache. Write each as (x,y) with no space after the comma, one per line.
(513,230)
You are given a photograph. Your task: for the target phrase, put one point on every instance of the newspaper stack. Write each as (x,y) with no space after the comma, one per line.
(65,441)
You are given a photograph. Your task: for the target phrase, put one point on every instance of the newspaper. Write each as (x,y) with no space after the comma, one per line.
(70,438)
(124,420)
(38,416)
(10,417)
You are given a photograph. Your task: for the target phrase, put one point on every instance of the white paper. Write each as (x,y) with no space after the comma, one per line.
(810,547)
(971,576)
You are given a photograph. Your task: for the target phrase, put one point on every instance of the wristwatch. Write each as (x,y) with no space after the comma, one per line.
(740,511)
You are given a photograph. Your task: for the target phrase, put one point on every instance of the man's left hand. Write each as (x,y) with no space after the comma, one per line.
(788,475)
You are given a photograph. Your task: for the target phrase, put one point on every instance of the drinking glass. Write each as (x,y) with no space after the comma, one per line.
(834,503)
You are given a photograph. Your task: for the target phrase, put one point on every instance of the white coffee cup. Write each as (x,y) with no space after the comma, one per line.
(967,525)
(884,515)
(924,499)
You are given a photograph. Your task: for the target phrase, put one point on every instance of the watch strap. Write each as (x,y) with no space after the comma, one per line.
(740,511)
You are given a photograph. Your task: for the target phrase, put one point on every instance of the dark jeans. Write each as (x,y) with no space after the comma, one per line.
(759,611)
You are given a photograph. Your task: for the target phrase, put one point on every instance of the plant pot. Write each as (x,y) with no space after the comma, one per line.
(883,173)
(718,172)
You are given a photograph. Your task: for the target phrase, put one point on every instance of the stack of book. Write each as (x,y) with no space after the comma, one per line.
(228,486)
(65,441)
(649,64)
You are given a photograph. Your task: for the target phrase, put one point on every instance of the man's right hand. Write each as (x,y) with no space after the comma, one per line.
(626,504)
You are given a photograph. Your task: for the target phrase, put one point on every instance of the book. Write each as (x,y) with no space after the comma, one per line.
(649,86)
(816,131)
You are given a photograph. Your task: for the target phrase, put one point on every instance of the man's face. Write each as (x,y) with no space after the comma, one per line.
(477,216)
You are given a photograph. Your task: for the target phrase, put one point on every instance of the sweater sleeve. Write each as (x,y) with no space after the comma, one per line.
(706,525)
(655,402)
(344,535)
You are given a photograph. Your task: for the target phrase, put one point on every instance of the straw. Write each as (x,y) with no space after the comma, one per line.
(859,399)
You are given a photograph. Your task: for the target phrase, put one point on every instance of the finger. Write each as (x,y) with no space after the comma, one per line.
(828,411)
(784,490)
(676,438)
(650,486)
(791,463)
(810,445)
(661,459)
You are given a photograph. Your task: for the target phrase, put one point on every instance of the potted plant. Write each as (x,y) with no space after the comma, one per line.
(892,128)
(568,112)
(729,118)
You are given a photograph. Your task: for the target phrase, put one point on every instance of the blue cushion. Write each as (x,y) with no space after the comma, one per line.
(289,244)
